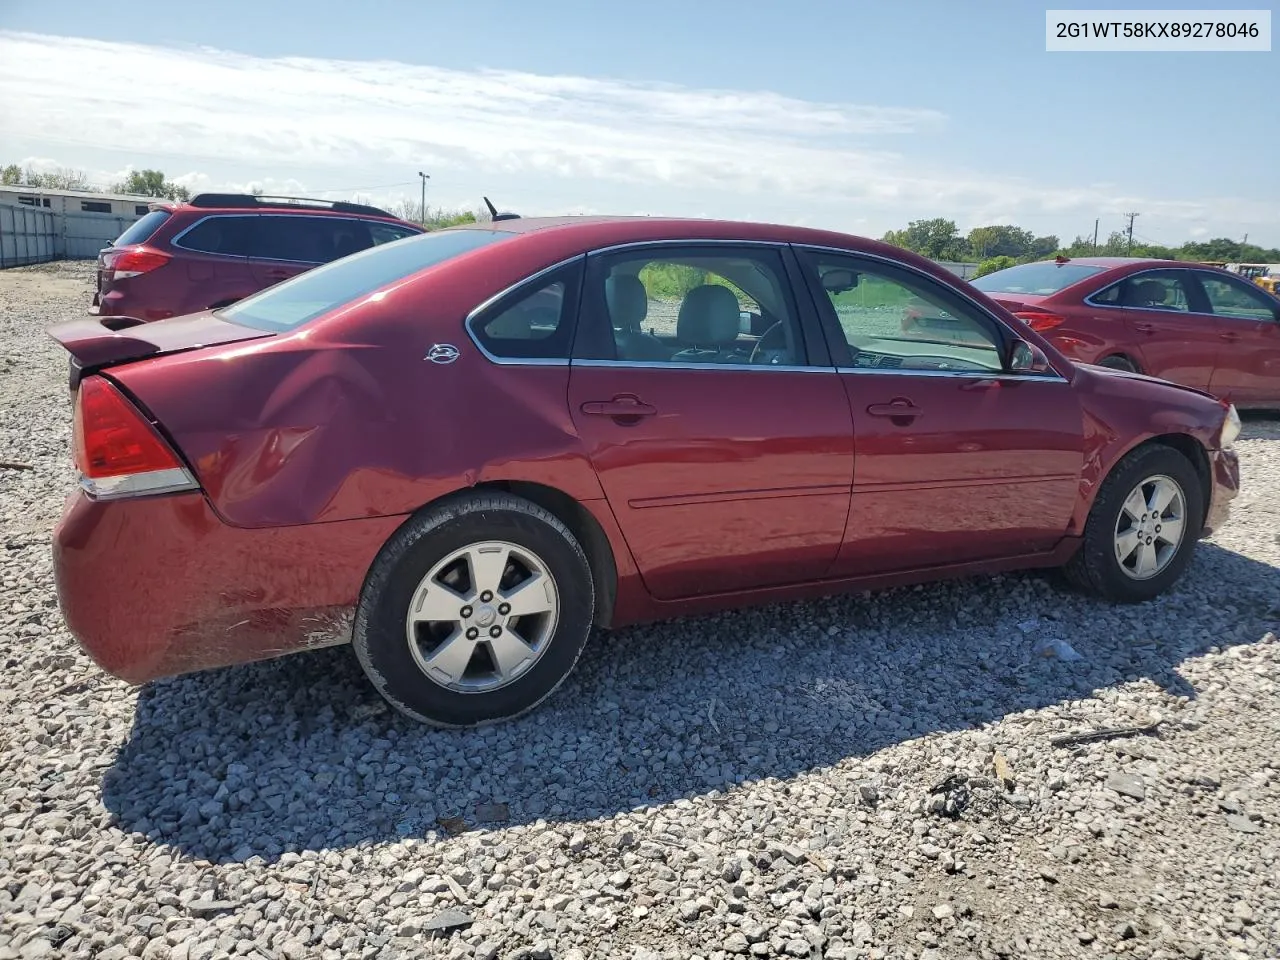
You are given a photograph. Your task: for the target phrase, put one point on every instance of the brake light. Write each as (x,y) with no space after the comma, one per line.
(1040,320)
(118,453)
(135,261)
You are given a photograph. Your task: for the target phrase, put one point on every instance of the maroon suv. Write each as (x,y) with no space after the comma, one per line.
(218,248)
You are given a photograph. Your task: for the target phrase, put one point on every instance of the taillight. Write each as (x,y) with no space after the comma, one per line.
(134,261)
(118,453)
(1040,320)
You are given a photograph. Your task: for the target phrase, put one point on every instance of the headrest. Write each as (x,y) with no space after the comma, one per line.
(627,299)
(709,316)
(1148,291)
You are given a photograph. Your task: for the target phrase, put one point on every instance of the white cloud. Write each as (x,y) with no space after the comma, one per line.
(281,123)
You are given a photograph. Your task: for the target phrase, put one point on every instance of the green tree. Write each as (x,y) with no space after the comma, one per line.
(63,178)
(11,175)
(151,183)
(993,264)
(938,239)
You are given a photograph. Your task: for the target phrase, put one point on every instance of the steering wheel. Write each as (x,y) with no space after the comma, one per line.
(773,347)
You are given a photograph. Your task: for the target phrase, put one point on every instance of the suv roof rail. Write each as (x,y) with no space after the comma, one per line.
(249,200)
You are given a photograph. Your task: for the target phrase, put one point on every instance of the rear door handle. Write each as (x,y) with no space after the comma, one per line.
(1230,336)
(621,407)
(900,409)
(1145,327)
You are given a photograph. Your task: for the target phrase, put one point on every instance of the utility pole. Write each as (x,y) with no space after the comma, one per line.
(1095,234)
(425,177)
(1129,248)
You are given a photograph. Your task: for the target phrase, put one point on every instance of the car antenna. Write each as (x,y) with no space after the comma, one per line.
(494,214)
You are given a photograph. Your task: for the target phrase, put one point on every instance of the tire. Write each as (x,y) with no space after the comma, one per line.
(464,689)
(1117,362)
(1097,567)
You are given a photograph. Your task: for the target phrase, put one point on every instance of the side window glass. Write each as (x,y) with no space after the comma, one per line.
(292,238)
(1109,297)
(533,326)
(1228,299)
(381,233)
(1156,291)
(903,323)
(701,307)
(228,236)
(344,237)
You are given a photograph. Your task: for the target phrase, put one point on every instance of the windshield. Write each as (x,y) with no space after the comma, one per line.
(1039,279)
(308,295)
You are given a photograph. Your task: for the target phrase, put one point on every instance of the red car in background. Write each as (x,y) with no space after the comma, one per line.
(463,450)
(1186,322)
(218,248)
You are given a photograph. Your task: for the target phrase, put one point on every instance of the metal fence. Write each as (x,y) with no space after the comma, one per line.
(32,235)
(27,235)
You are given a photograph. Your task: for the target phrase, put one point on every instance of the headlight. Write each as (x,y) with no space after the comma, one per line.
(1230,427)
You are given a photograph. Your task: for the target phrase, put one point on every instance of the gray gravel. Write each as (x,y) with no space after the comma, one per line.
(865,776)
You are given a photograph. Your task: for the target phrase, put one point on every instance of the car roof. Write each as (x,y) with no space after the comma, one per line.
(1114,262)
(602,230)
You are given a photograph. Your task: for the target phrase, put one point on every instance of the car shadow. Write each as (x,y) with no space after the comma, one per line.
(300,753)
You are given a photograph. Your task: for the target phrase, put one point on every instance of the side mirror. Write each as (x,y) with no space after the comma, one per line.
(1028,358)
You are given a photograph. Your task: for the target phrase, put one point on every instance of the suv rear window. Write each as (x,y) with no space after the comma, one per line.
(1039,279)
(143,229)
(308,295)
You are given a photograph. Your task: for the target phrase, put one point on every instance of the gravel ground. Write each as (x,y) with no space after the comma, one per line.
(866,776)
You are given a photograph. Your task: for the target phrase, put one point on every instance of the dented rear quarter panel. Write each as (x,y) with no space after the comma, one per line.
(346,418)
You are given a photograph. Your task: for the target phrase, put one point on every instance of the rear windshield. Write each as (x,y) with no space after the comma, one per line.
(308,295)
(143,229)
(1038,279)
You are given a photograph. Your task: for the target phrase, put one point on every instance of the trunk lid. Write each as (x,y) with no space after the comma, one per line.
(98,342)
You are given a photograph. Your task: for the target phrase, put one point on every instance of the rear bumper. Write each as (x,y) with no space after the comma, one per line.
(1224,465)
(160,585)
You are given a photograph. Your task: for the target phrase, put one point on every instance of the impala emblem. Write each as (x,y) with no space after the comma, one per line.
(443,353)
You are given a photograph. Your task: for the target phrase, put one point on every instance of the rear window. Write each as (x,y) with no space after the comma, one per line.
(1039,279)
(143,229)
(308,295)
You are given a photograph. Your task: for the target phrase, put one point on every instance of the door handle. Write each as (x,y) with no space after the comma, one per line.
(1230,336)
(1145,327)
(624,407)
(899,409)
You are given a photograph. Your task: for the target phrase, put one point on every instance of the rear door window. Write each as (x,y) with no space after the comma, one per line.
(229,236)
(1153,290)
(300,239)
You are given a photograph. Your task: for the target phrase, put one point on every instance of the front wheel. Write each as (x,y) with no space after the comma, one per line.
(1143,527)
(474,611)
(1117,362)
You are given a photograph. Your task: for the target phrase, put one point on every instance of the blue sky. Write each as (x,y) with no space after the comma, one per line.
(857,116)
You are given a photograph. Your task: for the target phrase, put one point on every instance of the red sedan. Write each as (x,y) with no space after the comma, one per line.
(462,450)
(1200,326)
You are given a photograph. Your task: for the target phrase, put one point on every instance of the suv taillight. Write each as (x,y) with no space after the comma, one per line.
(118,453)
(134,261)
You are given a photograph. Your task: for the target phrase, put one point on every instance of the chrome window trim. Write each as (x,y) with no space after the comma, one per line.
(501,294)
(880,258)
(683,365)
(173,242)
(961,374)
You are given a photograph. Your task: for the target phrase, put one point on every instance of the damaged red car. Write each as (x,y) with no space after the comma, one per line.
(462,451)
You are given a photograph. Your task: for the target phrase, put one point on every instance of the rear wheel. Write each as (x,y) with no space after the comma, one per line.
(1118,362)
(474,611)
(1143,527)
